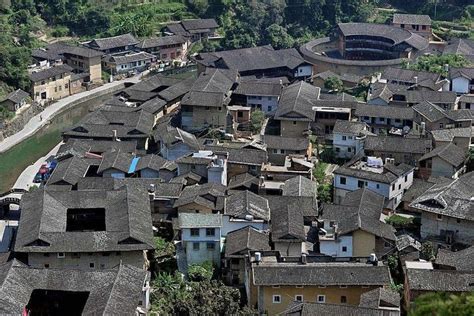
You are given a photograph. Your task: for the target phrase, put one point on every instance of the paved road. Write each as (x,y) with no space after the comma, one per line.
(36,123)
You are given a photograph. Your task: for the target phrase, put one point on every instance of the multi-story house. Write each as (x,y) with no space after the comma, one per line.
(445,208)
(446,160)
(461,137)
(385,119)
(462,80)
(261,94)
(279,147)
(201,198)
(207,164)
(51,84)
(116,45)
(166,48)
(15,100)
(195,29)
(414,79)
(349,138)
(275,286)
(401,149)
(466,101)
(354,228)
(201,237)
(429,116)
(130,62)
(386,179)
(62,229)
(175,143)
(295,109)
(416,23)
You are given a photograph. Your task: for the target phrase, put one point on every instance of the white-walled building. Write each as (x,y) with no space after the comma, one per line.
(349,137)
(462,80)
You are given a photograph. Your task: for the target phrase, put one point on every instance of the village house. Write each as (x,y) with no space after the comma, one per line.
(175,143)
(113,125)
(201,237)
(195,29)
(205,105)
(295,109)
(288,233)
(466,101)
(461,137)
(386,179)
(348,80)
(385,119)
(166,48)
(238,244)
(122,289)
(416,23)
(400,149)
(414,79)
(273,176)
(136,62)
(328,112)
(279,147)
(261,94)
(354,228)
(429,116)
(349,138)
(462,80)
(461,260)
(446,211)
(15,100)
(209,165)
(51,84)
(116,45)
(424,280)
(204,198)
(260,61)
(443,161)
(245,208)
(243,182)
(274,286)
(59,229)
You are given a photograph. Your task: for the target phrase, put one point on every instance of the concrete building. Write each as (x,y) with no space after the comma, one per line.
(166,48)
(386,179)
(462,80)
(201,237)
(115,45)
(135,62)
(64,233)
(443,161)
(386,119)
(461,137)
(194,29)
(51,84)
(415,23)
(261,94)
(349,138)
(15,100)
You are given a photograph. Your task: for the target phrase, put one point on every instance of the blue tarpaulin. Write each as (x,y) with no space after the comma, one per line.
(133,165)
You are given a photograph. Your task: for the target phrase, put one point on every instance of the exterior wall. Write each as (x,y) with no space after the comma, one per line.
(176,151)
(10,105)
(178,51)
(83,260)
(278,156)
(54,89)
(149,173)
(203,254)
(194,208)
(417,29)
(460,85)
(217,174)
(352,185)
(265,103)
(310,293)
(334,247)
(363,243)
(293,128)
(123,68)
(441,168)
(289,249)
(230,224)
(234,169)
(76,86)
(202,117)
(407,158)
(91,65)
(304,71)
(198,169)
(342,147)
(113,173)
(431,226)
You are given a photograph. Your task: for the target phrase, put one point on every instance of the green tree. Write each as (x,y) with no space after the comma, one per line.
(437,64)
(257,117)
(334,84)
(427,251)
(443,304)
(279,37)
(201,272)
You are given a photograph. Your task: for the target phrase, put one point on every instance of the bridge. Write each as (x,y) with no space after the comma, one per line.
(12,197)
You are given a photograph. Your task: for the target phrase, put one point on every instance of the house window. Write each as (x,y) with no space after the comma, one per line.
(46,254)
(360,184)
(349,150)
(439,217)
(399,186)
(342,180)
(406,178)
(46,265)
(75,255)
(321,299)
(275,151)
(299,298)
(195,246)
(92,265)
(393,187)
(343,299)
(299,286)
(276,299)
(343,286)
(61,255)
(377,186)
(344,137)
(458,221)
(210,231)
(441,125)
(344,249)
(423,27)
(194,232)
(210,246)
(294,122)
(338,149)
(275,286)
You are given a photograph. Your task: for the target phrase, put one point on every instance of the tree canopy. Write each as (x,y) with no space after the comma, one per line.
(443,304)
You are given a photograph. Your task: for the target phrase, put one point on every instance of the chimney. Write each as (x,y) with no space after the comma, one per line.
(446,67)
(304,260)
(416,79)
(373,259)
(114,138)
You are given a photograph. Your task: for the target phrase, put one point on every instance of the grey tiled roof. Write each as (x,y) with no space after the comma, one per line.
(430,111)
(204,98)
(243,203)
(397,144)
(450,153)
(300,186)
(392,112)
(177,90)
(199,24)
(460,46)
(190,220)
(322,274)
(242,180)
(462,72)
(161,41)
(17,96)
(390,173)
(78,147)
(288,143)
(287,224)
(115,160)
(460,260)
(450,199)
(114,42)
(153,106)
(439,280)
(130,58)
(154,83)
(241,156)
(50,72)
(153,162)
(405,241)
(297,101)
(259,88)
(416,19)
(127,216)
(169,136)
(247,238)
(198,194)
(307,205)
(110,292)
(69,171)
(448,135)
(345,76)
(350,127)
(380,297)
(311,309)
(423,78)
